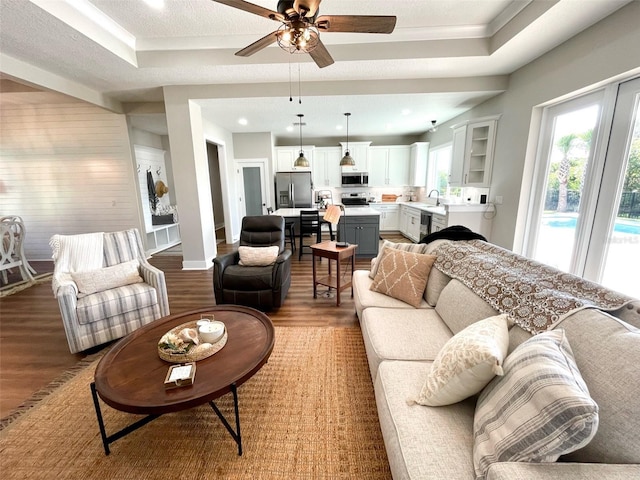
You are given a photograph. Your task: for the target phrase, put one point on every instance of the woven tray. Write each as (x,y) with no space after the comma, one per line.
(198,352)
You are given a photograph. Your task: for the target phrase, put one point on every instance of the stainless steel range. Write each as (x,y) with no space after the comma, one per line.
(354,199)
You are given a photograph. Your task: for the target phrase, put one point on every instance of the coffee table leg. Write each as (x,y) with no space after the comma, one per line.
(106,440)
(234,433)
(103,432)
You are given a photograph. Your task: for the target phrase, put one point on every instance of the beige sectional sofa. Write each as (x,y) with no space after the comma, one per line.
(425,442)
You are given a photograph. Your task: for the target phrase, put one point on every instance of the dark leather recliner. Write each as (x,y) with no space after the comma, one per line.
(264,288)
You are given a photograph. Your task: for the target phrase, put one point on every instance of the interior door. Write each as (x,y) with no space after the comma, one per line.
(252,186)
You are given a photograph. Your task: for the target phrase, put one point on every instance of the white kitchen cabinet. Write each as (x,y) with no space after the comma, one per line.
(389,216)
(286,156)
(472,156)
(360,153)
(418,164)
(326,167)
(410,222)
(438,222)
(389,166)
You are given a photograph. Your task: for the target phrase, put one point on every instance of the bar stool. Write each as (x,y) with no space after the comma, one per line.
(290,228)
(309,224)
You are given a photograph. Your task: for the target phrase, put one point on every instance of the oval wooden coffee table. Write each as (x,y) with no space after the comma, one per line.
(130,377)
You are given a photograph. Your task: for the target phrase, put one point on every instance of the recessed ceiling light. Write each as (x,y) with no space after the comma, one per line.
(155,3)
(242,121)
(338,127)
(406,111)
(290,128)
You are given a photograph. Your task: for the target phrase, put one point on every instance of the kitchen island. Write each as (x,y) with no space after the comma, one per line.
(359,225)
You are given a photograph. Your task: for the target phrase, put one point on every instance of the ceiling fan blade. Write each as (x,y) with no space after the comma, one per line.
(321,55)
(251,8)
(307,8)
(356,23)
(258,45)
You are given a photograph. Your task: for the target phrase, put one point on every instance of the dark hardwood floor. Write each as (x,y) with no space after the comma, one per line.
(33,346)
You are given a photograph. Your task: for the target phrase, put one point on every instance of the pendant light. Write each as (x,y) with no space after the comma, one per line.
(347,160)
(301,161)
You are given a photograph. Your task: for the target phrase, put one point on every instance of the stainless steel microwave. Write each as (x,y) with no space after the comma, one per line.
(355,179)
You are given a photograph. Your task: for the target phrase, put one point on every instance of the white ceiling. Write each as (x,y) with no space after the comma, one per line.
(444,57)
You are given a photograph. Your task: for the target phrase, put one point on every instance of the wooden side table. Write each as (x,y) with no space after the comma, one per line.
(329,251)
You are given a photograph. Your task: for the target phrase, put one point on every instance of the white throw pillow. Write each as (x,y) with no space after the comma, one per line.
(539,410)
(258,256)
(467,362)
(119,275)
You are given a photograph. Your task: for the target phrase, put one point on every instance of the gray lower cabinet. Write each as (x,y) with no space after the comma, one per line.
(363,231)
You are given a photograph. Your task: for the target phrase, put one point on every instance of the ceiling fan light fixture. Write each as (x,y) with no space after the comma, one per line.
(297,37)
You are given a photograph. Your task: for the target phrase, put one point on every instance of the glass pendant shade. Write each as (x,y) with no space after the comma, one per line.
(347,160)
(301,161)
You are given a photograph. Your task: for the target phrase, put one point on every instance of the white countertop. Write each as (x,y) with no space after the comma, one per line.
(442,209)
(349,212)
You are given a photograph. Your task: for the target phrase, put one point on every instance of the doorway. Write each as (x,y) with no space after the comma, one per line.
(252,185)
(216,192)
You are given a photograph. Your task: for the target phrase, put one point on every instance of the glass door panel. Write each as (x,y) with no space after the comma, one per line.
(567,155)
(622,258)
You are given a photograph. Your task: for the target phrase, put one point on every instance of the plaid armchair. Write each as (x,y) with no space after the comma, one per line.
(96,318)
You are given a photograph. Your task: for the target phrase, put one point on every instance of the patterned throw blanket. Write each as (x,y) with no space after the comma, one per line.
(535,295)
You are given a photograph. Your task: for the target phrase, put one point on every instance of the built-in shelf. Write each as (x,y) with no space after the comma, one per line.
(161,237)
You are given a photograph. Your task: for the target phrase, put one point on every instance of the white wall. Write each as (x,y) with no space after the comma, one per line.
(66,168)
(606,51)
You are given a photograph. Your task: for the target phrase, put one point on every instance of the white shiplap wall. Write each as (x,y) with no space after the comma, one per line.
(66,168)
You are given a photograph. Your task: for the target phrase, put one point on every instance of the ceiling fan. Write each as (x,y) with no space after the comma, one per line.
(300,27)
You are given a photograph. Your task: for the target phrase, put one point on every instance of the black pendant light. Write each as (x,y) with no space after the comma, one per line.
(347,160)
(301,161)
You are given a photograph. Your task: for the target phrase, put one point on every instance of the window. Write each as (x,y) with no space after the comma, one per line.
(585,203)
(438,168)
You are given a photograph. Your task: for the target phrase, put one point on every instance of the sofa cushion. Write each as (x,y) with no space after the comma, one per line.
(106,278)
(422,442)
(114,302)
(403,275)
(364,297)
(437,279)
(540,409)
(467,362)
(405,247)
(459,307)
(401,334)
(607,352)
(258,256)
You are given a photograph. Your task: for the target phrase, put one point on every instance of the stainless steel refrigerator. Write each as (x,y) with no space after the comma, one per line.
(294,190)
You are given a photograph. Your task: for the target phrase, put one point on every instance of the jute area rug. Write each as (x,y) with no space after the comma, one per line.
(20,286)
(309,413)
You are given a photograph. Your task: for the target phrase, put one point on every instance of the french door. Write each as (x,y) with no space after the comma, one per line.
(613,255)
(586,203)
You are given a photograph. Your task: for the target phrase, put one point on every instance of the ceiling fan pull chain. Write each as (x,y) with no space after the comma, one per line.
(290,96)
(299,87)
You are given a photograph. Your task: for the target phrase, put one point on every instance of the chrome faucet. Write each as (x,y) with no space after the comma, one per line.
(437,196)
